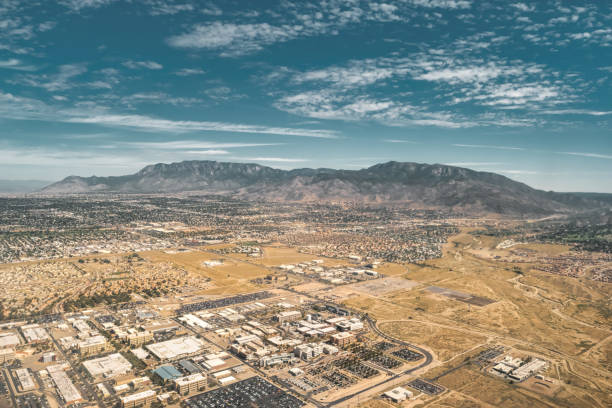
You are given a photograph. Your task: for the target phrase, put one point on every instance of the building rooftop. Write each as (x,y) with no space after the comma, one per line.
(171,349)
(138,396)
(108,366)
(189,379)
(168,372)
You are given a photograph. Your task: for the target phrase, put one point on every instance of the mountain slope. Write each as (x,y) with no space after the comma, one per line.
(420,185)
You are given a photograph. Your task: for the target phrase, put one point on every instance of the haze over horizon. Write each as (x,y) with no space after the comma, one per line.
(107,87)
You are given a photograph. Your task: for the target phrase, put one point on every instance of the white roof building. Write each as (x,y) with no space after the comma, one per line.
(109,366)
(171,349)
(398,394)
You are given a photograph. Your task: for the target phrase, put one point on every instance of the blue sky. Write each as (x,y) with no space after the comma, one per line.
(106,87)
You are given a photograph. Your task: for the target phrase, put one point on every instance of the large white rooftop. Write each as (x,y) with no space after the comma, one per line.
(109,366)
(8,340)
(171,349)
(64,385)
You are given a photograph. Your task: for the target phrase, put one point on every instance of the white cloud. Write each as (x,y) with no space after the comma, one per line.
(448,4)
(523,6)
(142,64)
(190,72)
(474,164)
(78,5)
(20,108)
(207,152)
(233,39)
(399,141)
(62,80)
(576,112)
(163,7)
(15,64)
(488,147)
(593,155)
(164,125)
(467,74)
(194,145)
(271,159)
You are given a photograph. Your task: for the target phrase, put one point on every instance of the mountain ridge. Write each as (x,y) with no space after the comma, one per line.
(415,184)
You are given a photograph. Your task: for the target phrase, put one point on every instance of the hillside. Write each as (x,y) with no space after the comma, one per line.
(414,184)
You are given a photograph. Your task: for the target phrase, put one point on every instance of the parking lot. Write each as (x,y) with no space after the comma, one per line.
(254,392)
(224,302)
(426,387)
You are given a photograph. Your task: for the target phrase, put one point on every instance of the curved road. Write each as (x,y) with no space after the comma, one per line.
(427,354)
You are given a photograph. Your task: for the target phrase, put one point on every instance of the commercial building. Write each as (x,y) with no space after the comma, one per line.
(527,370)
(398,394)
(48,357)
(109,366)
(190,384)
(92,345)
(308,351)
(9,339)
(140,399)
(353,324)
(35,334)
(26,382)
(288,316)
(65,388)
(342,339)
(176,348)
(167,373)
(6,355)
(139,338)
(195,321)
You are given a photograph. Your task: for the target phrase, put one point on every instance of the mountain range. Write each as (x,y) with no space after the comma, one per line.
(415,184)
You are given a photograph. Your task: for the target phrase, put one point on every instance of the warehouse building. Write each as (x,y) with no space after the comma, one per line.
(26,382)
(9,339)
(109,366)
(527,370)
(167,373)
(65,388)
(33,333)
(176,348)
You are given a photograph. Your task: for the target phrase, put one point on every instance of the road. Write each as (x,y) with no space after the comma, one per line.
(90,388)
(428,360)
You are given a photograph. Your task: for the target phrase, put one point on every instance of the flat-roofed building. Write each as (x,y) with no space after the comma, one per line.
(190,384)
(288,316)
(35,334)
(176,348)
(26,382)
(9,339)
(139,338)
(195,321)
(140,399)
(6,355)
(398,394)
(343,338)
(167,373)
(92,345)
(109,366)
(527,370)
(65,388)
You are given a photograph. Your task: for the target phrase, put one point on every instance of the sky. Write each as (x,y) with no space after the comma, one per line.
(106,87)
